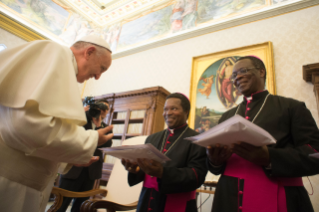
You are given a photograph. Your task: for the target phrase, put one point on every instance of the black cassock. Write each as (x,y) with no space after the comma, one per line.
(297,135)
(186,171)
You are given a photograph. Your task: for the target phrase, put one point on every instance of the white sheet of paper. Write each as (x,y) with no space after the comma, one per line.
(234,130)
(314,155)
(132,152)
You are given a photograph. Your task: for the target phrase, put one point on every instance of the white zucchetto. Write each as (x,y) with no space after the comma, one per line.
(94,39)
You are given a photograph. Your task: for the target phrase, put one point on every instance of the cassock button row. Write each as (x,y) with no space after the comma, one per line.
(248,101)
(149,209)
(152,197)
(247,117)
(240,208)
(165,150)
(168,142)
(248,108)
(240,192)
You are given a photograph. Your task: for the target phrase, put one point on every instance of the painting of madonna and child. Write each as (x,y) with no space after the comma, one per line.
(213,91)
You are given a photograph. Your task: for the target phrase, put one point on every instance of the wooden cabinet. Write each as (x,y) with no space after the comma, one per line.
(133,113)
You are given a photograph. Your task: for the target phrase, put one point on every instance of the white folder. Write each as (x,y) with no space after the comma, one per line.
(132,152)
(234,130)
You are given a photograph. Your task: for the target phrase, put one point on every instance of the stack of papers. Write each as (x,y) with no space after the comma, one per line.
(132,152)
(232,131)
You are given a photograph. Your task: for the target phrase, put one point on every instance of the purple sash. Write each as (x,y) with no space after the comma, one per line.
(260,193)
(174,202)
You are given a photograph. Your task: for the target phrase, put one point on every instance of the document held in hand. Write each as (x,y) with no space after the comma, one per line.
(132,152)
(234,130)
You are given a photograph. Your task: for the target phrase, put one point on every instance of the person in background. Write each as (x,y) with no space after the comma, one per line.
(80,179)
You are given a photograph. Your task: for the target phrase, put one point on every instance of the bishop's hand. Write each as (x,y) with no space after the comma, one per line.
(104,138)
(218,155)
(151,167)
(258,155)
(130,167)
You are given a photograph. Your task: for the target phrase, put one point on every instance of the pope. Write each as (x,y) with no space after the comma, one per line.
(42,116)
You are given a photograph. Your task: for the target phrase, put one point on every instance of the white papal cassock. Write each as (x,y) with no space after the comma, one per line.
(40,123)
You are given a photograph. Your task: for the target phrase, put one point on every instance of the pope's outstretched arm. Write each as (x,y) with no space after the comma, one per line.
(27,130)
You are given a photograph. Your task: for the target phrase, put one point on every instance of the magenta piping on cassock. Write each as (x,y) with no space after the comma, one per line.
(174,202)
(195,175)
(260,193)
(312,148)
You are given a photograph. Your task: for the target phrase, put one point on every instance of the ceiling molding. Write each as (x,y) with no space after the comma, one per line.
(9,24)
(219,26)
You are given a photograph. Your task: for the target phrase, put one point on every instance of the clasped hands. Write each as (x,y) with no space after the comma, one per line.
(148,166)
(218,155)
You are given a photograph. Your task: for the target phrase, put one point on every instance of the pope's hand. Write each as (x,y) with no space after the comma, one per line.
(218,155)
(150,167)
(93,160)
(256,154)
(102,137)
(131,167)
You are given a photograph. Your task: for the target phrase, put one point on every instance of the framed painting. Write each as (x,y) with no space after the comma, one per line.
(211,91)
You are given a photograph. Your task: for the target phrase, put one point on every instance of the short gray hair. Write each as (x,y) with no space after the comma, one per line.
(82,44)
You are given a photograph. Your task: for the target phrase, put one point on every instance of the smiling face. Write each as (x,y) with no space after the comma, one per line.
(174,114)
(93,63)
(250,82)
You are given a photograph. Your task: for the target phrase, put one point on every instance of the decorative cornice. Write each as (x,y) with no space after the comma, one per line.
(144,91)
(220,26)
(9,24)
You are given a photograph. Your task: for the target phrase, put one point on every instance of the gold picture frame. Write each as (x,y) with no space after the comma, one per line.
(207,89)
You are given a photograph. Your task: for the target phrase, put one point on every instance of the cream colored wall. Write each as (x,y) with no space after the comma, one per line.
(10,40)
(295,38)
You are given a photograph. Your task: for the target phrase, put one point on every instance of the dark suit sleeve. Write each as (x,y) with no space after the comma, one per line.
(176,180)
(216,170)
(134,179)
(294,161)
(109,142)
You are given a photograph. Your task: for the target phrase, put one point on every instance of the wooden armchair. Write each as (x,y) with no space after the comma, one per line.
(117,189)
(59,193)
(120,196)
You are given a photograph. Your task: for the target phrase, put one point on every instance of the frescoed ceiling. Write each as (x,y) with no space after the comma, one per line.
(104,12)
(130,26)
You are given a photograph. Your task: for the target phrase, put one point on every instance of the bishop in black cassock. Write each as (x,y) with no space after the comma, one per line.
(267,178)
(171,187)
